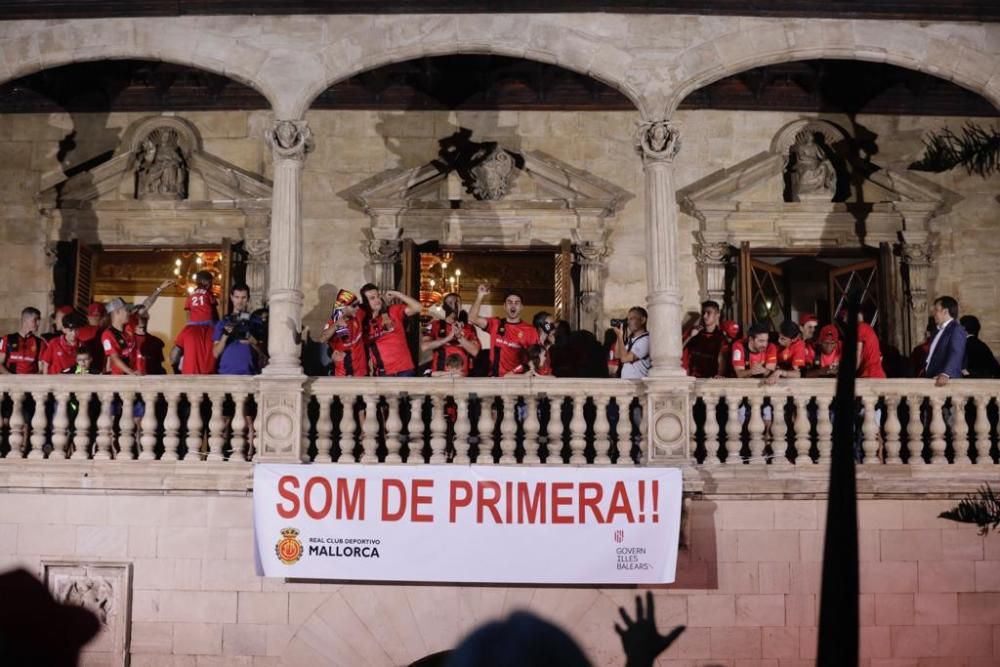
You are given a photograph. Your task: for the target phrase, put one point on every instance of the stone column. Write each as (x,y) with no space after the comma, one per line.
(658,142)
(712,258)
(592,258)
(289,141)
(917,258)
(280,401)
(258,249)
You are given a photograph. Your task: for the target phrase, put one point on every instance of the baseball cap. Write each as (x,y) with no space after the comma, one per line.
(96,309)
(116,304)
(807,317)
(346,298)
(64,310)
(829,332)
(731,328)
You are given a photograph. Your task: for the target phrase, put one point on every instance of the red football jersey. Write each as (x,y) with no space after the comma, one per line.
(792,357)
(440,329)
(59,354)
(201,306)
(385,336)
(871,353)
(23,352)
(147,354)
(117,342)
(355,361)
(515,338)
(196,341)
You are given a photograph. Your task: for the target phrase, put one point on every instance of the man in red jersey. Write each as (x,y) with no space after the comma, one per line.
(89,335)
(21,351)
(57,323)
(756,357)
(194,341)
(827,360)
(117,343)
(451,336)
(147,356)
(869,363)
(703,349)
(509,336)
(345,335)
(385,331)
(791,353)
(808,323)
(60,353)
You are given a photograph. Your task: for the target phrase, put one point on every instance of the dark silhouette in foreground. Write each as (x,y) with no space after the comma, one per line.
(28,617)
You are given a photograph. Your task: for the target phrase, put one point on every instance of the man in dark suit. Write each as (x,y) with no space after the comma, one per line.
(979,359)
(947,354)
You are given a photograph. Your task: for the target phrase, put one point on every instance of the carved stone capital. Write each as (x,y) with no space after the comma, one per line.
(382,251)
(917,253)
(258,249)
(712,253)
(51,254)
(657,141)
(289,139)
(591,253)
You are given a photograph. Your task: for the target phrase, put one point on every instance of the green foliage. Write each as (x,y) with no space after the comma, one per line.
(977,149)
(982,509)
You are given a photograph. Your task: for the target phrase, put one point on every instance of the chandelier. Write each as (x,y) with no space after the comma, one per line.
(438,276)
(188,264)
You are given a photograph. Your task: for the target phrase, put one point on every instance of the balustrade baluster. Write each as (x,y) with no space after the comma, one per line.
(937,428)
(711,428)
(38,424)
(960,430)
(755,426)
(102,451)
(324,433)
(147,437)
(734,427)
(892,430)
(393,428)
(485,428)
(914,429)
(554,431)
(60,426)
(643,426)
(578,431)
(216,428)
(824,428)
(531,428)
(614,429)
(982,429)
(171,426)
(126,425)
(237,439)
(369,431)
(196,425)
(602,445)
(463,426)
(869,430)
(508,430)
(16,426)
(348,428)
(439,429)
(779,430)
(802,428)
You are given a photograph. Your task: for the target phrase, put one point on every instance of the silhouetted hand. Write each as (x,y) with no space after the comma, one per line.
(640,638)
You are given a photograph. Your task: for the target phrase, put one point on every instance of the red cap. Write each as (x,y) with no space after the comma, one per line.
(807,317)
(96,309)
(64,310)
(731,328)
(829,332)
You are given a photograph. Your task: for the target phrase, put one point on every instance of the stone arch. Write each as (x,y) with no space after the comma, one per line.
(393,39)
(372,625)
(49,46)
(904,45)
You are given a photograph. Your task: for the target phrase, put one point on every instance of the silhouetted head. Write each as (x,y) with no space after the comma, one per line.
(522,640)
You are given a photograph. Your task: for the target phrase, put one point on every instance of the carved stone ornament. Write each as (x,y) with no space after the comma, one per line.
(658,140)
(813,176)
(491,176)
(712,253)
(290,139)
(383,251)
(258,249)
(161,167)
(917,253)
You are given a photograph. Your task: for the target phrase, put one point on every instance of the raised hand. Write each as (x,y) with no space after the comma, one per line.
(640,638)
(483,289)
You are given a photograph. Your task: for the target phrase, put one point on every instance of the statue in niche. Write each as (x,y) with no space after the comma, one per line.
(813,176)
(95,595)
(162,170)
(491,176)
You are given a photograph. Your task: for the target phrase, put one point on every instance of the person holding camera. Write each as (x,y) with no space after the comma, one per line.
(632,348)
(236,338)
(451,336)
(345,335)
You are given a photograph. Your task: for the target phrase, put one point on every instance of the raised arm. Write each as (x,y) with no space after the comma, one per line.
(412,305)
(151,299)
(474,316)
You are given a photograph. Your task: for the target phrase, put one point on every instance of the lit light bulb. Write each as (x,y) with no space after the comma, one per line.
(768,304)
(177,272)
(197,259)
(432,283)
(191,289)
(458,272)
(177,262)
(444,265)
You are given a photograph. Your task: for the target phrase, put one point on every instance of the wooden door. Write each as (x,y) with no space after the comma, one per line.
(83,276)
(862,279)
(762,291)
(563,305)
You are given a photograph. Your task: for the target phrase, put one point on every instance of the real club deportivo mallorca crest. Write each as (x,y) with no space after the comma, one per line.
(289,548)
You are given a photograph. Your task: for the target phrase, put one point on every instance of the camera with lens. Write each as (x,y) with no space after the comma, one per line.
(548,327)
(240,326)
(617,324)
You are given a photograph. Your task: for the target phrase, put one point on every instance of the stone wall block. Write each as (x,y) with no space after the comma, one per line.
(197,638)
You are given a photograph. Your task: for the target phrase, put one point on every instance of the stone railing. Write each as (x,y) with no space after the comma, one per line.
(895,422)
(466,420)
(163,418)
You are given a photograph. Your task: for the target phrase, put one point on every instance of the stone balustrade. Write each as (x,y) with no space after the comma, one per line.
(534,421)
(895,422)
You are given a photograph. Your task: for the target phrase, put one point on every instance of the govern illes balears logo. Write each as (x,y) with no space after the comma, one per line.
(289,548)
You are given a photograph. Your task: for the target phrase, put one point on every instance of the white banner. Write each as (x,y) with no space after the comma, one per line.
(447,523)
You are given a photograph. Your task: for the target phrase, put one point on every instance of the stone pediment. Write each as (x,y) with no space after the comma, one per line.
(748,201)
(112,184)
(536,182)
